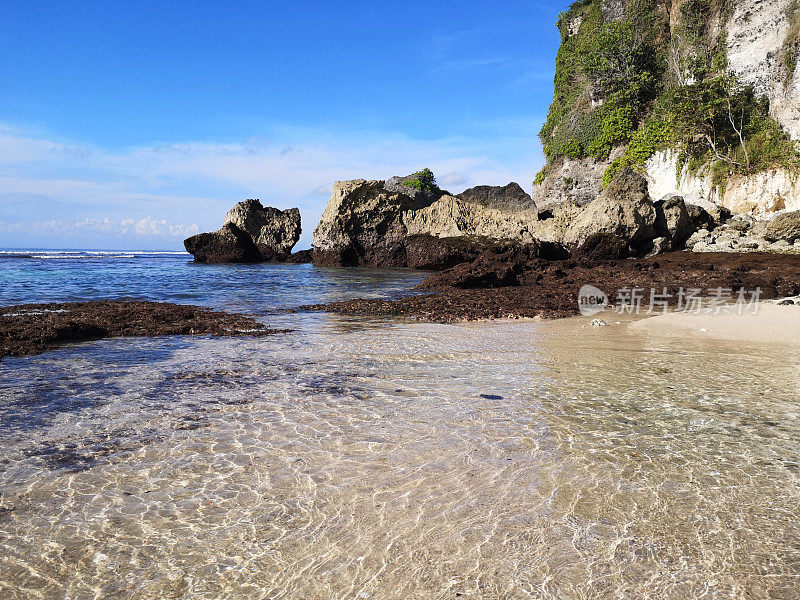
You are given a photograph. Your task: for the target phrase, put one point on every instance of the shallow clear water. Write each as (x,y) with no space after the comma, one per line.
(370,459)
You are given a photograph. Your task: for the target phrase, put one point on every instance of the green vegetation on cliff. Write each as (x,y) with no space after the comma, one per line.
(422,180)
(637,85)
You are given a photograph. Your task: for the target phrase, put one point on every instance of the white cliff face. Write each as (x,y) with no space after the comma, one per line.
(762,193)
(756,34)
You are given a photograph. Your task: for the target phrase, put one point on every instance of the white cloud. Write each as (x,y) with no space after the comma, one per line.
(172,190)
(145,227)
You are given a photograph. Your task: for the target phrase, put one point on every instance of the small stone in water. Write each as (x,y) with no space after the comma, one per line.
(491,397)
(598,323)
(787,302)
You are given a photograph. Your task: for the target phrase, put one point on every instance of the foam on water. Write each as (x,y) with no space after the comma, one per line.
(373,460)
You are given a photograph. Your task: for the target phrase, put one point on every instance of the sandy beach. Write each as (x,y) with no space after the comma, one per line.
(771,324)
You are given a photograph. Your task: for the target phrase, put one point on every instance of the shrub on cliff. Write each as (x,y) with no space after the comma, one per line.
(422,180)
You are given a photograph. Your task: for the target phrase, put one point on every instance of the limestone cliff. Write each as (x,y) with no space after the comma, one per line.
(702,96)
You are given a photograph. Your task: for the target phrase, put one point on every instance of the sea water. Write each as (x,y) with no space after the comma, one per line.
(368,458)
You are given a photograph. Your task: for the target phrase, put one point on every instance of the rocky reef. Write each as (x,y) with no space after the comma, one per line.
(35,328)
(251,233)
(520,287)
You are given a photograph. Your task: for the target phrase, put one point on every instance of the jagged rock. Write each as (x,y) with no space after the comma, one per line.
(275,232)
(707,215)
(383,223)
(623,209)
(742,233)
(228,245)
(571,180)
(673,221)
(251,233)
(660,245)
(362,226)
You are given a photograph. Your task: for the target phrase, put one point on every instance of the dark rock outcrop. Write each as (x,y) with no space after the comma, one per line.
(498,266)
(252,233)
(301,257)
(708,216)
(228,245)
(549,289)
(602,246)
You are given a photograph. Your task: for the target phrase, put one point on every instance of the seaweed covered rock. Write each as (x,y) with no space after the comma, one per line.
(602,246)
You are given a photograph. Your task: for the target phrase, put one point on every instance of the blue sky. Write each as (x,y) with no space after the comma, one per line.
(133,124)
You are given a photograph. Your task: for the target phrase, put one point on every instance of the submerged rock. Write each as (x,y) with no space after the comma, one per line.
(252,233)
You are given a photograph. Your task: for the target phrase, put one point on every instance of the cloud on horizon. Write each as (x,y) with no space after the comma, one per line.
(62,193)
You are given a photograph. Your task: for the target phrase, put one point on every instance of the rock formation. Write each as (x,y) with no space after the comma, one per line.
(384,223)
(251,233)
(623,209)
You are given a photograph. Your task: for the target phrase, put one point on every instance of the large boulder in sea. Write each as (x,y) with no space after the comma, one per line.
(392,223)
(362,225)
(623,209)
(252,233)
(275,232)
(228,245)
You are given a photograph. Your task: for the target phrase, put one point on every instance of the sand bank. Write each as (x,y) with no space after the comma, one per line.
(770,324)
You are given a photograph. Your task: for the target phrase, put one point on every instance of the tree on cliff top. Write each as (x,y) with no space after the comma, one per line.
(422,180)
